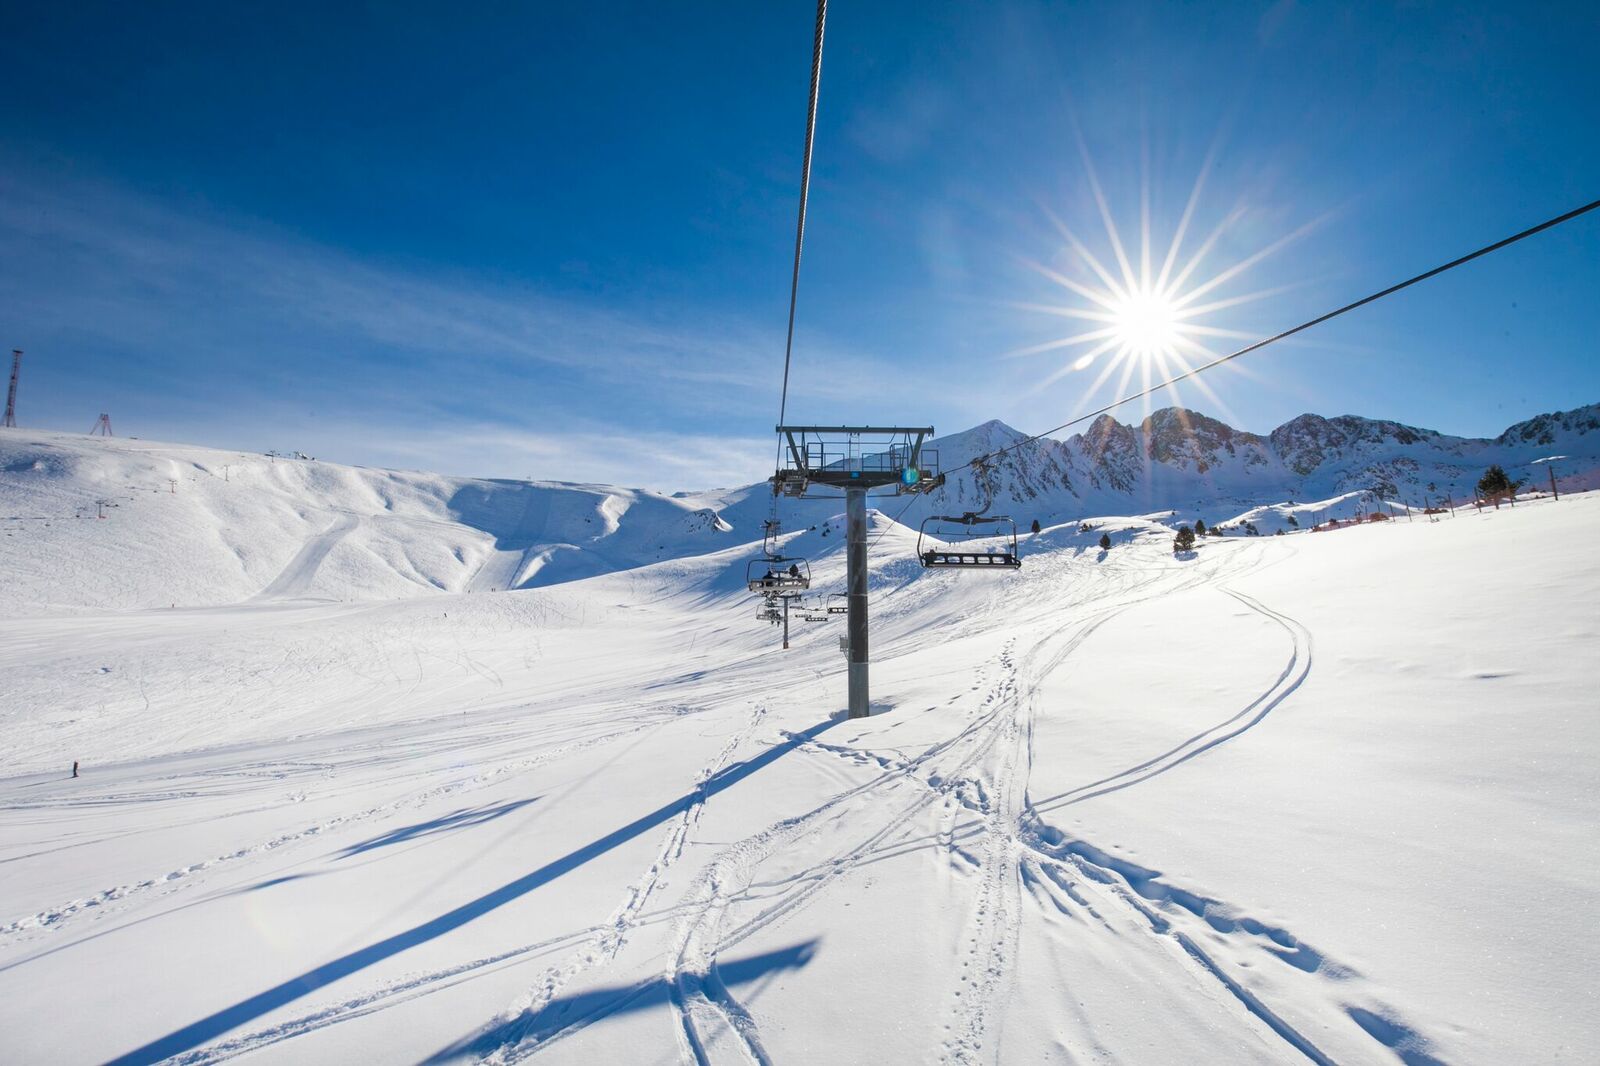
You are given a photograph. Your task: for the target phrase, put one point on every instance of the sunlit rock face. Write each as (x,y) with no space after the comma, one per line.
(1305,443)
(1112,454)
(1178,459)
(1190,440)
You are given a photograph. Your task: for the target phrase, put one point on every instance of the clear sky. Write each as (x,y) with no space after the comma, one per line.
(554,240)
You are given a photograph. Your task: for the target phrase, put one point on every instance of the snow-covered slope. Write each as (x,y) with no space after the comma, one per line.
(1325,798)
(197,527)
(194,526)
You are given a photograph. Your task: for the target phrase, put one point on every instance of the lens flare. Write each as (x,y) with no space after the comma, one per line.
(1144,312)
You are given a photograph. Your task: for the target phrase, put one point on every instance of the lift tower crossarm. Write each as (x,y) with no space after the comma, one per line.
(855,431)
(869,457)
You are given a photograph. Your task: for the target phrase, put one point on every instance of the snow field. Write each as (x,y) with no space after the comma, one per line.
(1323,798)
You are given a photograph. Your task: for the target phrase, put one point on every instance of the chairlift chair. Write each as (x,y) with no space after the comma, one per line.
(778,574)
(838,603)
(775,572)
(950,542)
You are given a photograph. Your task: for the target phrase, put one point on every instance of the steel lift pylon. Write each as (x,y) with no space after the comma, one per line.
(856,460)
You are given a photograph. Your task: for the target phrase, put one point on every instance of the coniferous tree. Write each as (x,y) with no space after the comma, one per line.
(1105,542)
(1036,525)
(1199,527)
(1184,541)
(1495,482)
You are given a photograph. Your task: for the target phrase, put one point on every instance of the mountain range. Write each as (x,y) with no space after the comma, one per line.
(179,524)
(1181,460)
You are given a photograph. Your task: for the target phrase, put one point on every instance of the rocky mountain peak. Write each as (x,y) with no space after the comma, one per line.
(1543,429)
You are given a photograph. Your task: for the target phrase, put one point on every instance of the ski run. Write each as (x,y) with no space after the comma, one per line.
(1322,797)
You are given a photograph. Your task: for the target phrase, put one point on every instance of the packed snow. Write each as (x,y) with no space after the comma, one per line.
(1323,796)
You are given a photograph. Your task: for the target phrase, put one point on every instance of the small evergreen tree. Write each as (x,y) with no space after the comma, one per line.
(1184,541)
(1495,482)
(1105,542)
(1294,523)
(1199,527)
(1035,525)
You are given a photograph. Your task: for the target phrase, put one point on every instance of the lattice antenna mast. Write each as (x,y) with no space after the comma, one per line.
(102,426)
(11,393)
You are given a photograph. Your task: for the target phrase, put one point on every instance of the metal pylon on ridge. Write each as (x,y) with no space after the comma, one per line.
(857,459)
(11,393)
(102,426)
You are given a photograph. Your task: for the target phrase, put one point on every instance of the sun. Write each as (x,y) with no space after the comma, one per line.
(1146,322)
(1142,311)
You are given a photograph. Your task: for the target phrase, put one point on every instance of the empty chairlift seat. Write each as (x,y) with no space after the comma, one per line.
(968,541)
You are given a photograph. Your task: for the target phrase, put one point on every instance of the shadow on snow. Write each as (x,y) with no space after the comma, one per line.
(461,819)
(567,1013)
(247,1010)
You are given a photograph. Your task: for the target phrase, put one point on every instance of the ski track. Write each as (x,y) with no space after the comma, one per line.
(1014,846)
(701,1002)
(297,576)
(518,1022)
(56,917)
(1293,675)
(595,947)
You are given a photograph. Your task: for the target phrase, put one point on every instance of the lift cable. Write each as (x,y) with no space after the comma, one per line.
(1496,246)
(800,220)
(794,276)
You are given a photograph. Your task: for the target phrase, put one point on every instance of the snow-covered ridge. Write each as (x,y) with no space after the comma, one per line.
(1182,460)
(196,526)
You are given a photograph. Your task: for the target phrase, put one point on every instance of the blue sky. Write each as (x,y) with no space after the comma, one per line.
(554,241)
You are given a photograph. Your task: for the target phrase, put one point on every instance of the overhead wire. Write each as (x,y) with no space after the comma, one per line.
(805,193)
(794,276)
(978,461)
(1392,289)
(800,231)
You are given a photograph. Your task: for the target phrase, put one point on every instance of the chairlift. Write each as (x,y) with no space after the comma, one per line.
(838,603)
(770,612)
(775,572)
(952,542)
(778,574)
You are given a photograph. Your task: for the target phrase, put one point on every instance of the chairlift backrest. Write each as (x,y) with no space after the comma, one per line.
(949,542)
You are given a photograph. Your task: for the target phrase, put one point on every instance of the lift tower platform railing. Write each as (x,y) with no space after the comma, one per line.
(856,460)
